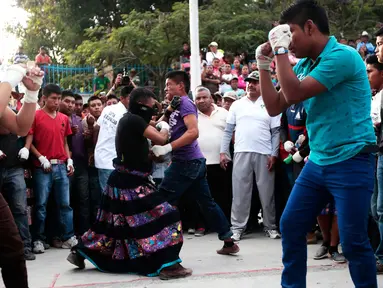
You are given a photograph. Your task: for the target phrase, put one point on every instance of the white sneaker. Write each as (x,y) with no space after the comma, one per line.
(191,231)
(273,234)
(38,247)
(70,243)
(236,237)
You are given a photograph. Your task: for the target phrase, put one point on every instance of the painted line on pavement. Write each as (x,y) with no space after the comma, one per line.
(55,278)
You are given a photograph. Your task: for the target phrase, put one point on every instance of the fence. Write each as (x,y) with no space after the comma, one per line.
(81,79)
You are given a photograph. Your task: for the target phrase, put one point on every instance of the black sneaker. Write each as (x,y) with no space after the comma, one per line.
(46,246)
(29,256)
(338,258)
(322,253)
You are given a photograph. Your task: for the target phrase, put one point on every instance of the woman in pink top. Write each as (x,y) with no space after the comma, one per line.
(236,67)
(242,77)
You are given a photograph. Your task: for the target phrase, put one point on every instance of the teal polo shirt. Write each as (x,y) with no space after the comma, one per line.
(338,120)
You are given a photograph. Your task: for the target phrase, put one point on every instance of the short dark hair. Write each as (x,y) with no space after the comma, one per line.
(112,96)
(77,97)
(93,98)
(140,94)
(373,60)
(67,93)
(178,77)
(379,32)
(85,106)
(51,89)
(125,92)
(303,10)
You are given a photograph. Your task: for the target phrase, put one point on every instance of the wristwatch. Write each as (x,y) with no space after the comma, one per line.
(281,51)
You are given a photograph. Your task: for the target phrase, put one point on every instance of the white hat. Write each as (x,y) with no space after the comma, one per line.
(213,44)
(231,95)
(365,33)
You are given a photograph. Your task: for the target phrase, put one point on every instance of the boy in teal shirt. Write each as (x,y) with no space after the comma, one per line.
(332,83)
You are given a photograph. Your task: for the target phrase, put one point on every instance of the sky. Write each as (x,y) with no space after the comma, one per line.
(10,14)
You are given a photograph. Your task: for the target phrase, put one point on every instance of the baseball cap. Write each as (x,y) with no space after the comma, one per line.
(234,78)
(253,76)
(365,33)
(213,44)
(230,95)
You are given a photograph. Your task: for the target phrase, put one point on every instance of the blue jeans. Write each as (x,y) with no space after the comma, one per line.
(351,183)
(44,182)
(14,191)
(377,207)
(103,176)
(190,177)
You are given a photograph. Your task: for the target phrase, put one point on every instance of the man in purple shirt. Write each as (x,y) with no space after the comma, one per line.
(187,171)
(80,179)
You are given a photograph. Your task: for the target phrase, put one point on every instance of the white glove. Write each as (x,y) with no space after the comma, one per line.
(2,155)
(163,125)
(24,154)
(301,139)
(162,150)
(288,146)
(14,75)
(36,75)
(280,36)
(69,164)
(263,61)
(44,162)
(297,157)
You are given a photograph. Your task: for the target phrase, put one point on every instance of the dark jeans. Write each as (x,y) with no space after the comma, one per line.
(220,184)
(14,191)
(190,177)
(94,193)
(80,198)
(44,183)
(351,183)
(12,262)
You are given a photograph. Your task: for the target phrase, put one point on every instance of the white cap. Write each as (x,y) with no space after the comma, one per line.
(365,33)
(213,44)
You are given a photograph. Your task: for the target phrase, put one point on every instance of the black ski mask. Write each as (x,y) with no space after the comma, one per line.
(142,110)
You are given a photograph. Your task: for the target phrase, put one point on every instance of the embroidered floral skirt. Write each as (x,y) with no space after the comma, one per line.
(135,231)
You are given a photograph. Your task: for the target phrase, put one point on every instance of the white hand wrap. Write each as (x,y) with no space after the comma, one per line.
(24,154)
(263,62)
(163,125)
(162,150)
(69,164)
(288,146)
(44,162)
(14,74)
(280,36)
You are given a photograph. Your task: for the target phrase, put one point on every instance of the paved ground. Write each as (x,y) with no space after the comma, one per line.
(257,265)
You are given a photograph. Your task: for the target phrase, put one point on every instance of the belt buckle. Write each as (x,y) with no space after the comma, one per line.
(54,161)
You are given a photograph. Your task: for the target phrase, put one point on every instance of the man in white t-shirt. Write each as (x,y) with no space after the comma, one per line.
(214,53)
(211,126)
(105,150)
(255,152)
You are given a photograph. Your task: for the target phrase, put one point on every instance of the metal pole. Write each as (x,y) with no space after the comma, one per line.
(195,62)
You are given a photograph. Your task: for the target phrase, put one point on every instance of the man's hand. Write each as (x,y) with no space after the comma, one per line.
(223,160)
(70,167)
(175,103)
(2,155)
(280,36)
(297,157)
(163,125)
(45,164)
(264,56)
(162,150)
(90,120)
(271,163)
(23,154)
(74,129)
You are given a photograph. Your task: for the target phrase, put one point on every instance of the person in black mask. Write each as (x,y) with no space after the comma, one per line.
(136,230)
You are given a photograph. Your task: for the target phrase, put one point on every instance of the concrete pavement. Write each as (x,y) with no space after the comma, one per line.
(257,265)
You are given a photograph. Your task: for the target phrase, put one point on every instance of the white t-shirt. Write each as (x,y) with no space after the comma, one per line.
(211,130)
(375,107)
(211,55)
(105,150)
(252,126)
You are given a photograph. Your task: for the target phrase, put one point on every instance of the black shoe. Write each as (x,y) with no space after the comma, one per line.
(29,256)
(76,260)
